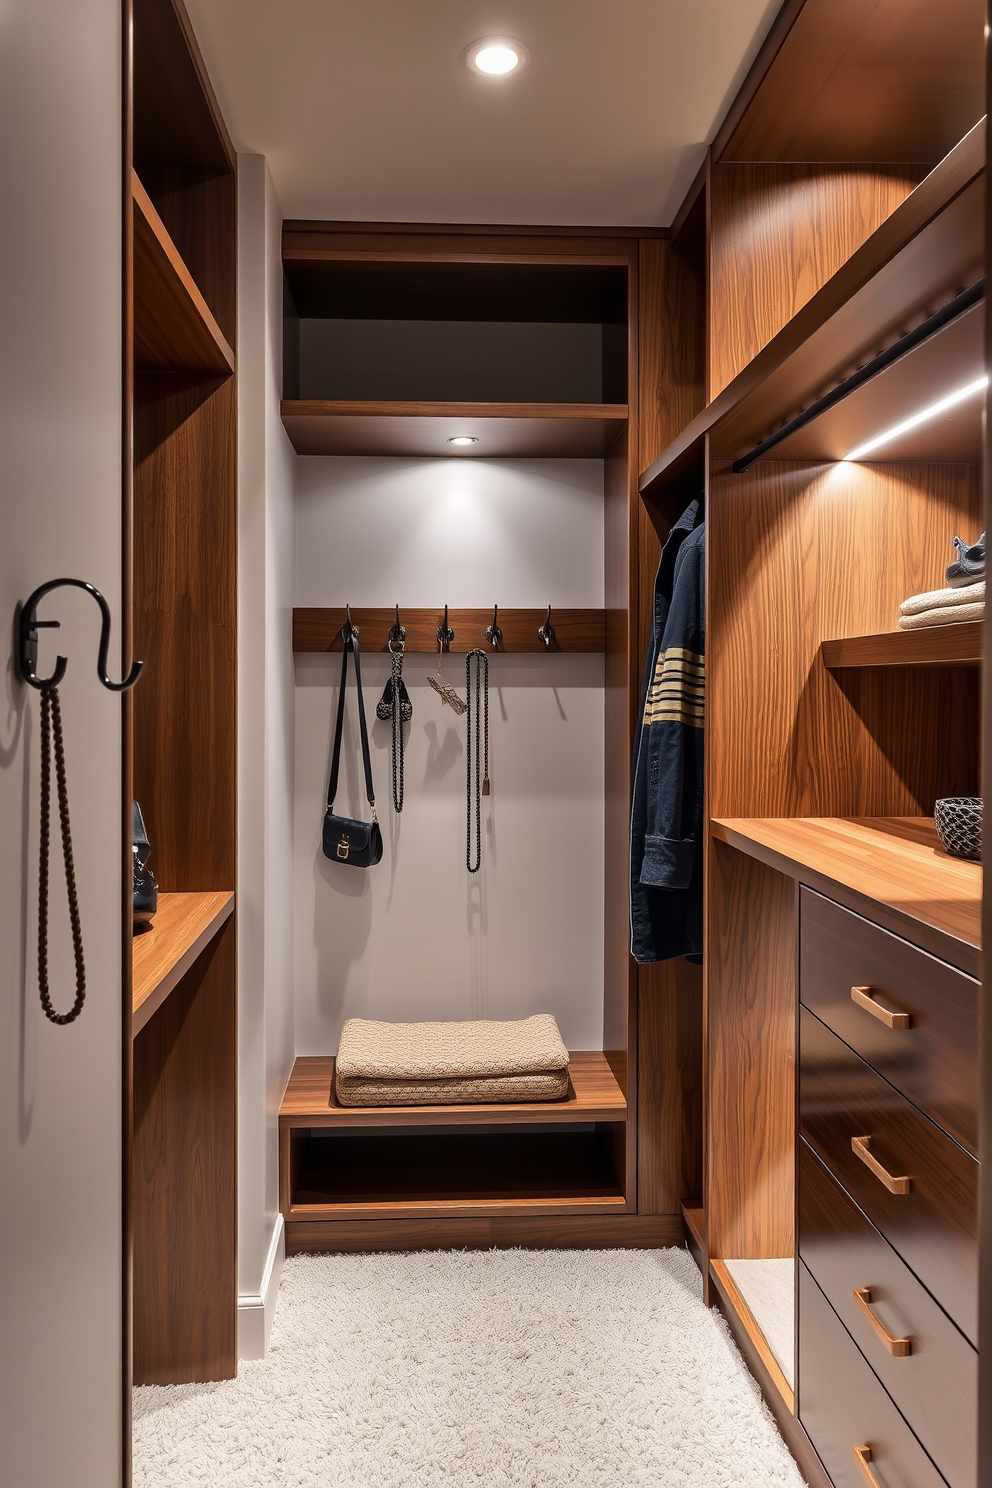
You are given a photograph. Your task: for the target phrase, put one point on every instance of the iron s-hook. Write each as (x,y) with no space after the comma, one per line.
(28,626)
(546,632)
(445,634)
(493,633)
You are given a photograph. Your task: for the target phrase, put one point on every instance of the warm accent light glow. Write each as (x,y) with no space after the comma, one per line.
(971,391)
(496,56)
(461,440)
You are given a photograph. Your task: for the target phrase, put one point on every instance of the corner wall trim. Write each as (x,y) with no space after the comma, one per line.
(256,1310)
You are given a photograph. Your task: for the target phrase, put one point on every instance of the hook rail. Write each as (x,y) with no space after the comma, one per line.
(575,630)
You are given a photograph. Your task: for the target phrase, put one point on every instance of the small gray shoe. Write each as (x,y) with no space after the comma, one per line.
(969,566)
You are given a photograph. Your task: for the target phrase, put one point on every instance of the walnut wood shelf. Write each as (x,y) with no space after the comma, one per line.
(892,868)
(594,1095)
(174,329)
(504,430)
(319,629)
(940,645)
(924,253)
(183,926)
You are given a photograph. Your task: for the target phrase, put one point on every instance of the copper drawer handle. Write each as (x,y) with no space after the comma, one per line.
(899,1348)
(864,999)
(860,1146)
(864,1459)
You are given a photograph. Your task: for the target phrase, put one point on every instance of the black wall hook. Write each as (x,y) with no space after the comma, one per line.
(493,633)
(397,632)
(445,634)
(349,630)
(546,631)
(28,626)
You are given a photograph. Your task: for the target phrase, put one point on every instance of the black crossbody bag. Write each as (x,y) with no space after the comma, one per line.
(357,843)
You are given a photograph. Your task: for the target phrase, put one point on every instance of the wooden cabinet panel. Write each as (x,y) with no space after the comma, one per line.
(933,1225)
(933,1060)
(935,1383)
(843,1407)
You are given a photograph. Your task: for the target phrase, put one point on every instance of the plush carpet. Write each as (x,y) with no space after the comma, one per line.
(769,1289)
(476,1369)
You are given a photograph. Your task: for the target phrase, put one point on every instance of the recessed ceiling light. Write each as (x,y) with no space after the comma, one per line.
(461,440)
(496,56)
(971,390)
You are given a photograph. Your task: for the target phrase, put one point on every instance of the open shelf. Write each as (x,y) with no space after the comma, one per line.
(174,329)
(504,430)
(935,645)
(732,1295)
(316,629)
(922,255)
(183,925)
(593,1095)
(893,863)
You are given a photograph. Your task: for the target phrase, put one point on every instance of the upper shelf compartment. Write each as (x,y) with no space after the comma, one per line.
(174,329)
(499,430)
(923,256)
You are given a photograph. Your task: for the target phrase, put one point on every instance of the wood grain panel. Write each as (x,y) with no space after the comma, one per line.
(199,210)
(548,1232)
(934,1225)
(176,117)
(319,629)
(750,973)
(933,1061)
(843,1406)
(672,345)
(936,1384)
(793,553)
(670,1081)
(185,1150)
(777,234)
(594,1095)
(896,80)
(503,430)
(892,869)
(162,954)
(185,765)
(941,645)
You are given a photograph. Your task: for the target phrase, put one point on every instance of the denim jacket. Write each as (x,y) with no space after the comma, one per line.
(666,864)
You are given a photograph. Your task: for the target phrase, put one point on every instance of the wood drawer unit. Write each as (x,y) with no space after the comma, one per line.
(845,1411)
(916,1185)
(928,1367)
(912,1017)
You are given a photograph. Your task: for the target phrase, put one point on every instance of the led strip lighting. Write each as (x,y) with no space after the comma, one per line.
(970,391)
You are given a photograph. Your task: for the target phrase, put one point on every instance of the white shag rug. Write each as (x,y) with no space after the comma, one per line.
(476,1369)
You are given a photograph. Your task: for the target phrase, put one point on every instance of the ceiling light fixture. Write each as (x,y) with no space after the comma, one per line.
(971,390)
(496,56)
(462,440)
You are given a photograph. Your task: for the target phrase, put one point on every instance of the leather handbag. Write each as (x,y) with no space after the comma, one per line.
(145,889)
(357,844)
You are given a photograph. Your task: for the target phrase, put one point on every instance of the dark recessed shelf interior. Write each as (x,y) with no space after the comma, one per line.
(422,1168)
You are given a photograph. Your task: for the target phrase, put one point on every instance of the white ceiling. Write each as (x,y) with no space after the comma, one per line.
(367,112)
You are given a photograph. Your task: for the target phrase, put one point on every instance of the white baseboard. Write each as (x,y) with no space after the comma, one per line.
(255,1313)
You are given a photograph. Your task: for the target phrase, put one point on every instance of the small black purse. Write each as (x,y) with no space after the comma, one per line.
(356,843)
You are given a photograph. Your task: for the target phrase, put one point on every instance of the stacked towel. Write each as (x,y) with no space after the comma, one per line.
(943,607)
(432,1064)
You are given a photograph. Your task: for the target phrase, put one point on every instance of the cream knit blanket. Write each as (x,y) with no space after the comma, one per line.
(944,615)
(406,1064)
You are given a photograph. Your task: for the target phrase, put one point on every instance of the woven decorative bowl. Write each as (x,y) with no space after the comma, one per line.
(959,825)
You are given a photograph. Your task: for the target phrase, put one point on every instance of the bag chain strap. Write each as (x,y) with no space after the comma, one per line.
(51,724)
(399,784)
(474,754)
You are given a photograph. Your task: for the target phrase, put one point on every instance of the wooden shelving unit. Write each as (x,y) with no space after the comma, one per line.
(317,629)
(504,430)
(889,862)
(939,645)
(174,328)
(162,954)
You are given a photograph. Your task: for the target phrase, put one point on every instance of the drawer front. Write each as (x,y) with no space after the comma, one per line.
(930,1369)
(933,1060)
(843,1407)
(933,1225)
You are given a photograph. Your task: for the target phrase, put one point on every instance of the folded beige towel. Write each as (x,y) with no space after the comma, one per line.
(940,599)
(948,615)
(398,1064)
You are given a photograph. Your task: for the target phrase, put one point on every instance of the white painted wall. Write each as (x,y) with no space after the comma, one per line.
(418,937)
(265,752)
(60,508)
